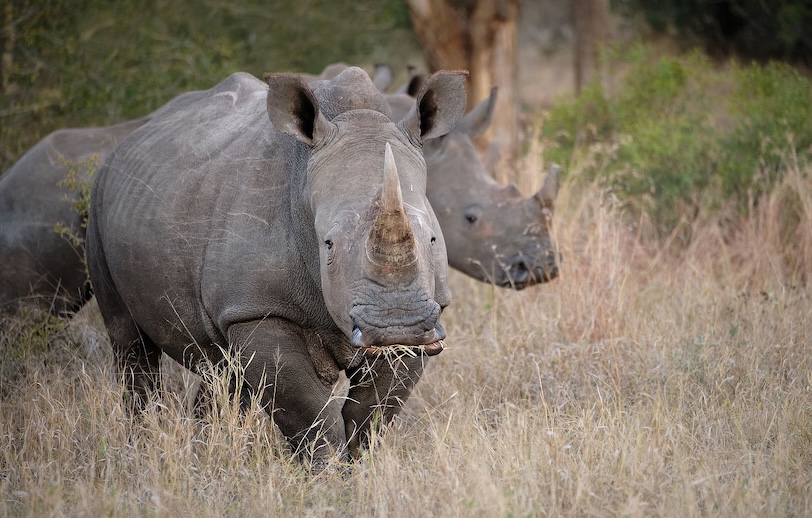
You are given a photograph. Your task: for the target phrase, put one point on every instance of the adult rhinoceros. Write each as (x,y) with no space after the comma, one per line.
(248,224)
(492,232)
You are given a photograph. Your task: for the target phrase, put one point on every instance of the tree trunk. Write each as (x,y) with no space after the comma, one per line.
(7,37)
(479,36)
(592,32)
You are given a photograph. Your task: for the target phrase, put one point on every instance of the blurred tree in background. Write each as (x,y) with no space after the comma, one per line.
(479,36)
(593,32)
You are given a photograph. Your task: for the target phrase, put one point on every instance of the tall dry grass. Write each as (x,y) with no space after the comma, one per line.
(645,381)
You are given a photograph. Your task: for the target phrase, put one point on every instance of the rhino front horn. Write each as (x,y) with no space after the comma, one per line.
(391,242)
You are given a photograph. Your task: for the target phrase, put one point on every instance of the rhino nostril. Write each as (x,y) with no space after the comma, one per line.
(519,272)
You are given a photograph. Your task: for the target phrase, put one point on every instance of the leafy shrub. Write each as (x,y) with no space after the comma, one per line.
(772,107)
(671,141)
(650,144)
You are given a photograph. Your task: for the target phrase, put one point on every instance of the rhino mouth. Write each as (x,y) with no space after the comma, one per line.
(429,343)
(520,273)
(523,281)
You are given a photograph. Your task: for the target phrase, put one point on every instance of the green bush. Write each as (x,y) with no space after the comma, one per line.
(672,139)
(752,29)
(650,143)
(772,109)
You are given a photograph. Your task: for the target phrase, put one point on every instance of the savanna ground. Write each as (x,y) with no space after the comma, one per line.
(649,379)
(641,382)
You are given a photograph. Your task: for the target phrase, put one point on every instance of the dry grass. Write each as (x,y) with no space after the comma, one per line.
(643,382)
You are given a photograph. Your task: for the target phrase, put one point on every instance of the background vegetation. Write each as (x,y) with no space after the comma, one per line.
(667,372)
(751,29)
(83,63)
(675,137)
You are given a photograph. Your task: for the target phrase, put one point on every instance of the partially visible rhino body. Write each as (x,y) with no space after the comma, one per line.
(492,233)
(247,224)
(38,266)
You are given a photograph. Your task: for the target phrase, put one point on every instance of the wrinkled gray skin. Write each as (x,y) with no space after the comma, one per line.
(40,267)
(492,233)
(263,230)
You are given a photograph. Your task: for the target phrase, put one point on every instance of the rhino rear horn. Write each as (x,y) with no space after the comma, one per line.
(382,76)
(391,242)
(549,190)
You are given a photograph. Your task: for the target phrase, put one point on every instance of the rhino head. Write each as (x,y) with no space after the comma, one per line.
(493,233)
(382,263)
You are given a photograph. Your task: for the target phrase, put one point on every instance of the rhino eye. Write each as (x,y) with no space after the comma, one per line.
(433,239)
(471,218)
(329,244)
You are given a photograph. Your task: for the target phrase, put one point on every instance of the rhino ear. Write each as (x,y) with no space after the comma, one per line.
(477,120)
(439,106)
(293,109)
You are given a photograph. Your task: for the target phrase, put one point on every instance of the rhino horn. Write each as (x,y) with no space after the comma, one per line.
(391,242)
(548,192)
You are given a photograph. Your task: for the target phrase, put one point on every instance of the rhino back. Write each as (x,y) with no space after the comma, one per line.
(202,190)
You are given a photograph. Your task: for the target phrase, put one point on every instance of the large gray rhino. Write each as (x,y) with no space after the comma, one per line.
(492,233)
(247,224)
(38,265)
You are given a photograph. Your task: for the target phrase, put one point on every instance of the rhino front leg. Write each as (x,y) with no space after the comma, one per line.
(137,357)
(276,361)
(378,390)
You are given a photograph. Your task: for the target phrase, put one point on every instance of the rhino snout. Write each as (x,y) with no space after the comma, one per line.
(521,271)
